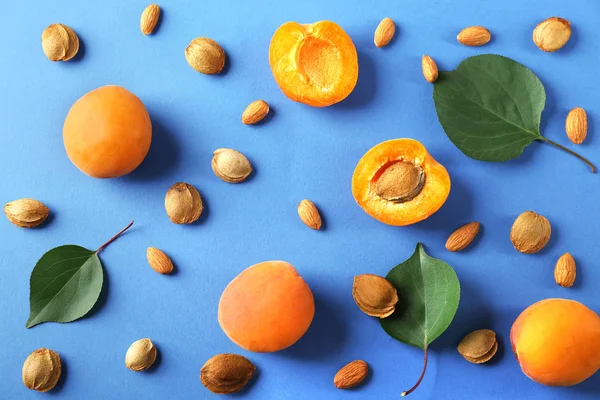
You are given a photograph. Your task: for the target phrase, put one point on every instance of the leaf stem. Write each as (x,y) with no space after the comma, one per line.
(585,160)
(112,239)
(409,391)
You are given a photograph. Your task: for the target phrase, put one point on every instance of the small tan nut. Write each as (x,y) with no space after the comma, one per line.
(205,56)
(530,232)
(255,112)
(385,32)
(26,213)
(60,42)
(226,373)
(351,375)
(374,295)
(552,34)
(231,165)
(576,125)
(149,19)
(41,370)
(159,261)
(140,355)
(309,214)
(183,203)
(462,237)
(430,69)
(479,346)
(474,36)
(565,270)
(400,182)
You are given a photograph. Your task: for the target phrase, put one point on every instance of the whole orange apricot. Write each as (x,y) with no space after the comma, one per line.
(267,307)
(107,132)
(398,183)
(557,342)
(314,64)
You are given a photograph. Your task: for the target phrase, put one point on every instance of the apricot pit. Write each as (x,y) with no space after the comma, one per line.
(479,346)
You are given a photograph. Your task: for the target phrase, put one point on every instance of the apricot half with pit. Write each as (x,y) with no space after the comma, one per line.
(267,307)
(398,183)
(557,342)
(314,64)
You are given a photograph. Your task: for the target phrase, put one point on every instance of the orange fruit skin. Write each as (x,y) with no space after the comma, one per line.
(431,198)
(266,308)
(557,342)
(315,64)
(107,132)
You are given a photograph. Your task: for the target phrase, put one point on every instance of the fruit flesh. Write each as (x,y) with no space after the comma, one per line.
(267,307)
(107,132)
(557,342)
(315,64)
(432,195)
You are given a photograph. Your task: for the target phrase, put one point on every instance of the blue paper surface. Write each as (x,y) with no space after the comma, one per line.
(300,152)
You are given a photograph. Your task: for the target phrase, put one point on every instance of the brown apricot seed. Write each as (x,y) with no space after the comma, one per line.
(26,213)
(183,203)
(42,370)
(141,355)
(400,182)
(374,295)
(351,375)
(552,34)
(231,165)
(478,346)
(205,56)
(226,373)
(530,232)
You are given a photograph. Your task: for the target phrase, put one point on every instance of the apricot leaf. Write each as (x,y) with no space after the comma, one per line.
(429,292)
(66,283)
(490,107)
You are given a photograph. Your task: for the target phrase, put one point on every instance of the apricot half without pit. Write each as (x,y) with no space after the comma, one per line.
(398,183)
(314,64)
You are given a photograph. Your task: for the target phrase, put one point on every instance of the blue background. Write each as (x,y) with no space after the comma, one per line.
(300,152)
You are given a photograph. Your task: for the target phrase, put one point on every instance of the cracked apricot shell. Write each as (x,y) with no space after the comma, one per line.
(314,64)
(398,183)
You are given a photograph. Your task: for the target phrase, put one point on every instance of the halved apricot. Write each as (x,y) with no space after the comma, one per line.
(314,64)
(398,183)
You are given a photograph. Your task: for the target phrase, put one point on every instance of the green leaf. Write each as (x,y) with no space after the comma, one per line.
(65,284)
(429,292)
(490,107)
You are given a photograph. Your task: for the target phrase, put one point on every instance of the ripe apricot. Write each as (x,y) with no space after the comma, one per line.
(557,342)
(107,132)
(314,64)
(398,183)
(267,307)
